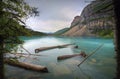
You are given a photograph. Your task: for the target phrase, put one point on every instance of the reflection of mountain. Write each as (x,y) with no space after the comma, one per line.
(97,19)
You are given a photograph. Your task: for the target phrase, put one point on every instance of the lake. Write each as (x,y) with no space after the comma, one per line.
(101,65)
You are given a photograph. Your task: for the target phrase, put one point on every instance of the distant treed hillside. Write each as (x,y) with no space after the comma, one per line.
(59,32)
(29,32)
(36,32)
(96,19)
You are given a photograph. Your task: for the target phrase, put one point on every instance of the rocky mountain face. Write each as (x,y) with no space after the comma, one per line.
(96,19)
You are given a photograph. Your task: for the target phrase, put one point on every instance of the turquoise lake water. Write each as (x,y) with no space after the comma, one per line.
(101,65)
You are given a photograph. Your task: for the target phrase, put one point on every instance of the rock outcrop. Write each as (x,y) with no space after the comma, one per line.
(96,18)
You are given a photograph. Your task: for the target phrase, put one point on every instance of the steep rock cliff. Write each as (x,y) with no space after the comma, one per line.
(97,19)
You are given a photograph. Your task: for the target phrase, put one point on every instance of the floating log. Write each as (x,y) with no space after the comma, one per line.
(90,54)
(74,46)
(26,54)
(51,47)
(70,56)
(25,49)
(27,66)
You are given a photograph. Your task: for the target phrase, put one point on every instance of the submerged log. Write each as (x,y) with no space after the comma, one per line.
(27,66)
(26,54)
(90,54)
(70,56)
(25,49)
(51,47)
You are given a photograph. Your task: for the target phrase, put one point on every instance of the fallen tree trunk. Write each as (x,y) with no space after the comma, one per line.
(70,56)
(91,54)
(26,65)
(51,47)
(25,49)
(25,54)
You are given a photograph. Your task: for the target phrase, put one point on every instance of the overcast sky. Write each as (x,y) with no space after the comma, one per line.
(54,14)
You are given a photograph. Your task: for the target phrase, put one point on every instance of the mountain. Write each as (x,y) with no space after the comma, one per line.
(96,19)
(59,32)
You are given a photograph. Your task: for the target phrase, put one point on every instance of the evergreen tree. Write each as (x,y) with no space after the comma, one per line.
(12,12)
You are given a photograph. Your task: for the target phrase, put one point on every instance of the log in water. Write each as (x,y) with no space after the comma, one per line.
(70,56)
(27,66)
(51,47)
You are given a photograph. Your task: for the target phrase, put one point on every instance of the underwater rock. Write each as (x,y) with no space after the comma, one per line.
(60,69)
(93,60)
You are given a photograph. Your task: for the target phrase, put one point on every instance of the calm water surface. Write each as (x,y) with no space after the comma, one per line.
(101,65)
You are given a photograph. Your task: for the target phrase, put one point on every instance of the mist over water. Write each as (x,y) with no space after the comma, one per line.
(101,65)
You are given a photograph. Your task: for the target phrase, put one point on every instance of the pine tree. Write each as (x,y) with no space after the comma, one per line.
(12,12)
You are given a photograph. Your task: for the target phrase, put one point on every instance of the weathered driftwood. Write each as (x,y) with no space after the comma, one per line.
(25,49)
(26,54)
(70,56)
(91,54)
(74,46)
(51,47)
(26,65)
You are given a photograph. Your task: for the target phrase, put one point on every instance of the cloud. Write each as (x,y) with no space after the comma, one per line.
(69,13)
(54,14)
(62,20)
(46,26)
